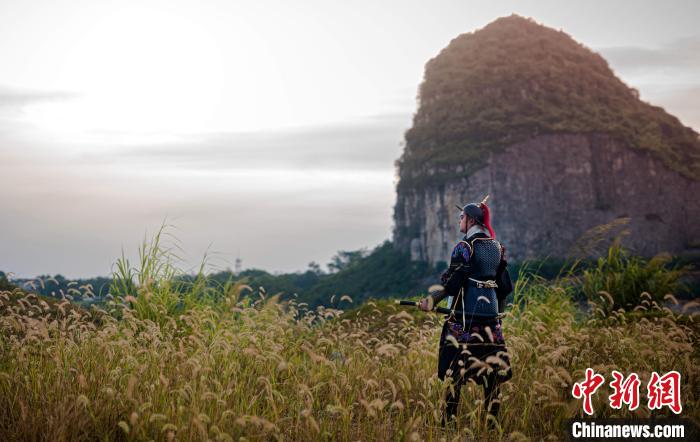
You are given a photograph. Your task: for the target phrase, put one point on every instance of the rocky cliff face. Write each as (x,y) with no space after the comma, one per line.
(539,122)
(547,192)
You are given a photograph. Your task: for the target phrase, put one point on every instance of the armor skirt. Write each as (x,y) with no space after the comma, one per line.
(479,353)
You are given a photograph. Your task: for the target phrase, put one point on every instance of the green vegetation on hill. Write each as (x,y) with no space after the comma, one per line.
(360,274)
(58,286)
(285,283)
(515,79)
(384,272)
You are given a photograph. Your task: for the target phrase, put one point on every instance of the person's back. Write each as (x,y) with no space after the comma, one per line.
(478,285)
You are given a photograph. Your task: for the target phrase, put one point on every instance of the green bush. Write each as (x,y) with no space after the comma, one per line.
(157,290)
(618,279)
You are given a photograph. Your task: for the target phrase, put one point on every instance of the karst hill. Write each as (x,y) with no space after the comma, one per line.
(528,115)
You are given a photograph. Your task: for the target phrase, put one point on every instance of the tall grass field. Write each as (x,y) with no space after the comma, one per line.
(165,361)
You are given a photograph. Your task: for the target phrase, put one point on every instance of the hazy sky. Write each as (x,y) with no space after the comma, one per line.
(261,129)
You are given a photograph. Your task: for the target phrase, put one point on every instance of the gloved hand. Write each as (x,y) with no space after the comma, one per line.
(426,304)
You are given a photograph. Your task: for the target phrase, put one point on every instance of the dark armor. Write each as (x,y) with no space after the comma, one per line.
(484,262)
(486,256)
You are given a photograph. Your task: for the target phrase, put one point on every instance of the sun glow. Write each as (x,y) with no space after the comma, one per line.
(142,75)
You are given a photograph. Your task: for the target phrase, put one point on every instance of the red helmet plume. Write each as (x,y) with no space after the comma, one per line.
(487,217)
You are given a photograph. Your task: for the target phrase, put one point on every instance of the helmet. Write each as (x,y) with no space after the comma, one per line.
(474,210)
(481,214)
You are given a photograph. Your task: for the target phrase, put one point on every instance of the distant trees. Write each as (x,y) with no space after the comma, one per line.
(344,259)
(363,273)
(5,284)
(380,272)
(59,286)
(315,268)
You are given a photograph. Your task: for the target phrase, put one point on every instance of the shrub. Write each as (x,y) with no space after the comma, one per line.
(619,279)
(157,290)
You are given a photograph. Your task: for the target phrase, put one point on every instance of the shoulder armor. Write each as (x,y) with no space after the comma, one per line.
(469,246)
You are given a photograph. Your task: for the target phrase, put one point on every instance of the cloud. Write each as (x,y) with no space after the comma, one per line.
(371,143)
(681,54)
(666,76)
(13,102)
(18,98)
(679,100)
(278,199)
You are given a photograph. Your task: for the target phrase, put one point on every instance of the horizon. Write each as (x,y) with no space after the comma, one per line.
(266,136)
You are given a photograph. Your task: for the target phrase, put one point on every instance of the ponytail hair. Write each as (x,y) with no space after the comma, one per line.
(487,217)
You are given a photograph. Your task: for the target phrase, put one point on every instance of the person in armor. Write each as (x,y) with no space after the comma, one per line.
(476,283)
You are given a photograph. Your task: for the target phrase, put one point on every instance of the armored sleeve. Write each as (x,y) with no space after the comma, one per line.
(453,277)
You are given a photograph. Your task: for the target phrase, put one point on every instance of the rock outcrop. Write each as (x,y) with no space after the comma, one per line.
(562,147)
